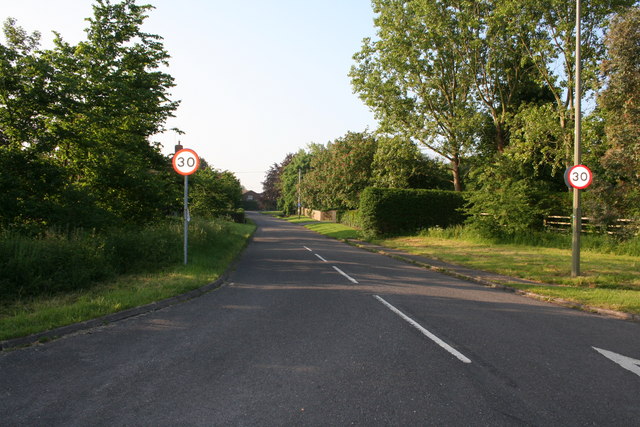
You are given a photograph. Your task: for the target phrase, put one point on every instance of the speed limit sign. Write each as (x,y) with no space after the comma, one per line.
(579,177)
(186,162)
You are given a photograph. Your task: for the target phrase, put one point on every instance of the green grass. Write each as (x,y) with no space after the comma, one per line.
(627,301)
(609,279)
(329,229)
(213,246)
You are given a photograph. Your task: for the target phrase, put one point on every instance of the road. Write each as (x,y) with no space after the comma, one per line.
(311,331)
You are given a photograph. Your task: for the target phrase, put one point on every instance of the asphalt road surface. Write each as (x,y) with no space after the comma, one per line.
(311,331)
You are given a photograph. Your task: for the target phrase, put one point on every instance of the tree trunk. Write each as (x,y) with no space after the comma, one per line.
(455,170)
(500,137)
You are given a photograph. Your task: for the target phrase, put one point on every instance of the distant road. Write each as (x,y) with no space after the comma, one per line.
(311,331)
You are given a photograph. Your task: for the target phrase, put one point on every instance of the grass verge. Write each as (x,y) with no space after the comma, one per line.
(212,248)
(329,229)
(608,280)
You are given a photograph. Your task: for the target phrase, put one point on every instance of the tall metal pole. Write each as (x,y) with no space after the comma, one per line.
(186,216)
(299,200)
(577,154)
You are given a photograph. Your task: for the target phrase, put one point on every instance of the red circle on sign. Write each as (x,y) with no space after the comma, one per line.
(580,177)
(186,161)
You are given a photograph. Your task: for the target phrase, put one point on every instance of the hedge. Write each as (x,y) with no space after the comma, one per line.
(387,211)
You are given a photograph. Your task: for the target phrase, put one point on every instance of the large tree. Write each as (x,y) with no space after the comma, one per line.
(79,118)
(617,189)
(550,45)
(114,97)
(340,171)
(416,78)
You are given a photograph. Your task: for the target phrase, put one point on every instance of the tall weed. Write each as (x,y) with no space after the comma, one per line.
(67,261)
(598,243)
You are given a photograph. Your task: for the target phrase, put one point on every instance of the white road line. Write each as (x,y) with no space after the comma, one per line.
(307,249)
(324,260)
(345,274)
(627,363)
(416,325)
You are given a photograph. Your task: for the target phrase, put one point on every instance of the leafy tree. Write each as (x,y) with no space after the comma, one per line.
(271,185)
(416,77)
(509,198)
(617,193)
(79,118)
(214,193)
(339,172)
(550,46)
(398,163)
(288,201)
(113,98)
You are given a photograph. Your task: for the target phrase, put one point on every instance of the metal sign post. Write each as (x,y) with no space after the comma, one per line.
(577,156)
(186,162)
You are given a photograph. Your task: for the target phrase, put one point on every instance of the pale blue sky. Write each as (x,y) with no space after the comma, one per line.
(257,78)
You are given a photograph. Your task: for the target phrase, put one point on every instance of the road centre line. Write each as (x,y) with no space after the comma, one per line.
(322,259)
(345,274)
(425,332)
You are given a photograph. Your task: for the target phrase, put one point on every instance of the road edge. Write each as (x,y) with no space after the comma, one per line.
(620,315)
(62,331)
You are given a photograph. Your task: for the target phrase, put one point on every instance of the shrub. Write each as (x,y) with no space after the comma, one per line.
(393,211)
(350,218)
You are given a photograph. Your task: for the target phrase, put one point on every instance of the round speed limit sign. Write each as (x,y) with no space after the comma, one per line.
(186,162)
(580,177)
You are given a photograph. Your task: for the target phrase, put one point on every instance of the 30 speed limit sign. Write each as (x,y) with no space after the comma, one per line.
(579,177)
(186,162)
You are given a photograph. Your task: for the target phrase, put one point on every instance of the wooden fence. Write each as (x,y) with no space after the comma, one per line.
(563,224)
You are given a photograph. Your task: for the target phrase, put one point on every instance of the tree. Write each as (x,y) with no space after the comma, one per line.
(417,79)
(617,189)
(300,164)
(550,46)
(398,163)
(339,172)
(271,185)
(111,99)
(214,193)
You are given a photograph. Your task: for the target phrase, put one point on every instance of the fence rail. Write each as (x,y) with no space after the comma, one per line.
(563,223)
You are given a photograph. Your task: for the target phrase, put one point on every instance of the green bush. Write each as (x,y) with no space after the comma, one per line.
(58,262)
(350,218)
(385,211)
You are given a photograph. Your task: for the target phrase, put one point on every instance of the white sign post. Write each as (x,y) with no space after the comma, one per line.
(186,162)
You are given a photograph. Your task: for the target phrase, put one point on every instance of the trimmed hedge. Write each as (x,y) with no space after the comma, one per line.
(387,211)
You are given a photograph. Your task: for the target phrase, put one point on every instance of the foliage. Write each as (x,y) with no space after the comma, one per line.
(350,218)
(393,211)
(510,197)
(416,79)
(618,187)
(79,119)
(212,246)
(339,172)
(550,46)
(299,164)
(398,163)
(271,184)
(214,193)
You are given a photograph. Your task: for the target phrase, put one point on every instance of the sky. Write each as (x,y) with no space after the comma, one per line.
(257,79)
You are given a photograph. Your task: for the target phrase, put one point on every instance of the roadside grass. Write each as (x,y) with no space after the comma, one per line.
(608,280)
(546,265)
(210,254)
(329,229)
(627,301)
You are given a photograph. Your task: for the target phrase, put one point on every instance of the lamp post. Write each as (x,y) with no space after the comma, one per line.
(577,155)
